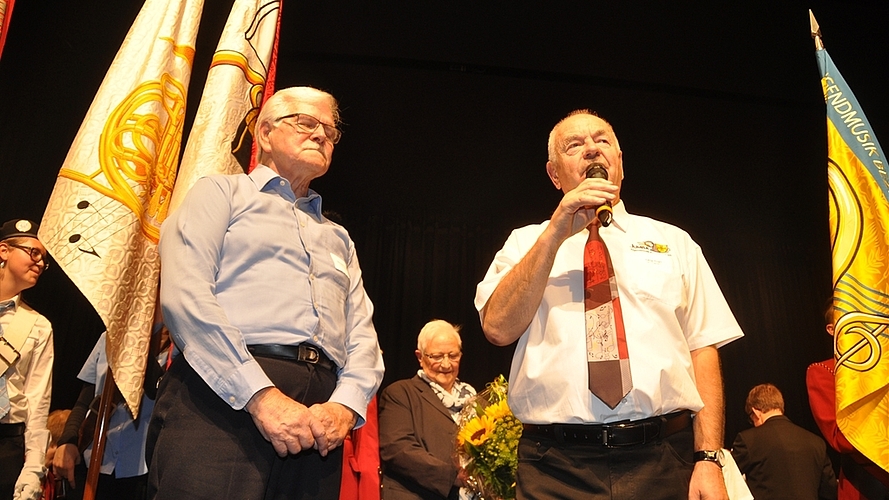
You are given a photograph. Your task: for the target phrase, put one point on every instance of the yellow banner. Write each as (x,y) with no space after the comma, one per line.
(858,225)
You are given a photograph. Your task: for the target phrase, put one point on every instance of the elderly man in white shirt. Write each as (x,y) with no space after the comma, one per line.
(674,317)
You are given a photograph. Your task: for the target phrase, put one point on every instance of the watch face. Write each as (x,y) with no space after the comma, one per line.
(720,457)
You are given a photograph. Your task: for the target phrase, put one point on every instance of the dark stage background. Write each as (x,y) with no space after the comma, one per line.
(447,107)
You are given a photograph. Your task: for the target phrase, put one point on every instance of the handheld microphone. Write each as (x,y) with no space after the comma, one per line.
(603,213)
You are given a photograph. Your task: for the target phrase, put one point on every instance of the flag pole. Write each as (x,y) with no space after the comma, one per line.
(104,416)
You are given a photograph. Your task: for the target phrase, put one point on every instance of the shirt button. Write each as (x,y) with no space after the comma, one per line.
(282,183)
(231,399)
(315,338)
(311,277)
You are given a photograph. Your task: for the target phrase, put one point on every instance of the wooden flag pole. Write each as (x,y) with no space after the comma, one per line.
(106,406)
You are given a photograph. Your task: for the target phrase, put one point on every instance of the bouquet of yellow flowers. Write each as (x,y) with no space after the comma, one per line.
(488,441)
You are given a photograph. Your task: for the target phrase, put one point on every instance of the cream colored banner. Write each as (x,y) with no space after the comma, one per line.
(103,219)
(223,128)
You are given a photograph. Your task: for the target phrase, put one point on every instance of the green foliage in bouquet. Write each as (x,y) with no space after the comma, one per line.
(487,443)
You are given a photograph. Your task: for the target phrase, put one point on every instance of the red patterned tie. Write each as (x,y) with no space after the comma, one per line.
(606,343)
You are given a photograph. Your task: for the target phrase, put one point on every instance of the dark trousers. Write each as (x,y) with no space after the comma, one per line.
(12,459)
(200,448)
(659,470)
(109,487)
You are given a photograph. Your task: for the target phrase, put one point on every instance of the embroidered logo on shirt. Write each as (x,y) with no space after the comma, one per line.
(650,247)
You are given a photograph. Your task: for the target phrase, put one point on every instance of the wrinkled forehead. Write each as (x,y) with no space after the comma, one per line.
(318,107)
(582,125)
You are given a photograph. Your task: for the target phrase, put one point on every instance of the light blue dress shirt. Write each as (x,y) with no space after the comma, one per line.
(245,262)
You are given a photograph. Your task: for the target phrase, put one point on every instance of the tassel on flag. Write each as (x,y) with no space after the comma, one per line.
(859,230)
(113,191)
(221,139)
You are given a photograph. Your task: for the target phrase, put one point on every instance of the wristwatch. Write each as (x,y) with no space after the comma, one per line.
(715,456)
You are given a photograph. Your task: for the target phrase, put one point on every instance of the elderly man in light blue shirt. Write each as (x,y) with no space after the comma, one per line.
(264,297)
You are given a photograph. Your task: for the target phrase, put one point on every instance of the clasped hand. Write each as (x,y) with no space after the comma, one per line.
(292,427)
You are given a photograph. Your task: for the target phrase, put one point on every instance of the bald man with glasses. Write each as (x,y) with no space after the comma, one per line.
(264,297)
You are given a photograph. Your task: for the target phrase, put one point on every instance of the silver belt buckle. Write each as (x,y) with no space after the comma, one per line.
(308,354)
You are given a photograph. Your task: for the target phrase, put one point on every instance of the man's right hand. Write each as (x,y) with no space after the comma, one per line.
(577,209)
(63,462)
(282,421)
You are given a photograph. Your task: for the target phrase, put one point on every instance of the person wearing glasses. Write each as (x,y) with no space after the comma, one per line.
(26,358)
(264,297)
(418,421)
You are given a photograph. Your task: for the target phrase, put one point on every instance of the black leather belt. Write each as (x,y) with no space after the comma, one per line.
(626,433)
(304,353)
(12,430)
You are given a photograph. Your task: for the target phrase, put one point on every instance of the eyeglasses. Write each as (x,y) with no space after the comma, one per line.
(36,255)
(438,358)
(308,124)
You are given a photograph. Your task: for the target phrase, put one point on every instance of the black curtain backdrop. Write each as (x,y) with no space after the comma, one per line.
(447,107)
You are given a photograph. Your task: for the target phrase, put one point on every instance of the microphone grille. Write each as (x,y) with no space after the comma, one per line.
(597,171)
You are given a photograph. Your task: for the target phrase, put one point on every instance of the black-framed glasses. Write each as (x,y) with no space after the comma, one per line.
(36,255)
(454,357)
(308,124)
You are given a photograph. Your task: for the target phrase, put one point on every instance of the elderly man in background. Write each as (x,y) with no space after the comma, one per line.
(418,421)
(264,297)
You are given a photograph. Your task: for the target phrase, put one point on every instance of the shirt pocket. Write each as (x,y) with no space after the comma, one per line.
(654,276)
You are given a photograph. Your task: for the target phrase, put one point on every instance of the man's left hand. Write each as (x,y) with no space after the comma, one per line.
(332,423)
(707,482)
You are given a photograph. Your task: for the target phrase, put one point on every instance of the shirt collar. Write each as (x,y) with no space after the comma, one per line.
(267,179)
(4,304)
(620,214)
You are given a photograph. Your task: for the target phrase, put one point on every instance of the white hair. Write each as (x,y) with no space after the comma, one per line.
(435,327)
(283,101)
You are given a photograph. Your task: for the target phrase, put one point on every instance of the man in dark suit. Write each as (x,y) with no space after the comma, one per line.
(780,459)
(418,421)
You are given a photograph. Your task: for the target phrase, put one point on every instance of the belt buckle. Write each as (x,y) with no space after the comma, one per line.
(607,436)
(8,353)
(308,354)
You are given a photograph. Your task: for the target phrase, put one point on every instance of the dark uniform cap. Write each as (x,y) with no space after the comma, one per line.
(18,227)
